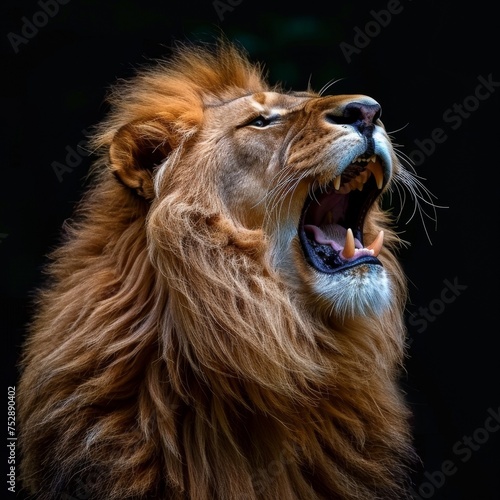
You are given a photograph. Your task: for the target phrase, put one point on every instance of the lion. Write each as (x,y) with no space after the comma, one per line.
(224,316)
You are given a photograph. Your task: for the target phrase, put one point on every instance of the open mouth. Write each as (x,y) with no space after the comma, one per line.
(331,225)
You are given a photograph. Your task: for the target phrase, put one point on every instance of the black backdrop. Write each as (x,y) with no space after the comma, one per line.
(432,66)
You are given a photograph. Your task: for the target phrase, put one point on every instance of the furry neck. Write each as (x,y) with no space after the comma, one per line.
(190,365)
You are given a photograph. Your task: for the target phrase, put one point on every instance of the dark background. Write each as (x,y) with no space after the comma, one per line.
(423,62)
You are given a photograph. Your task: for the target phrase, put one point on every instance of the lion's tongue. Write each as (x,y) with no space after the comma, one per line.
(342,240)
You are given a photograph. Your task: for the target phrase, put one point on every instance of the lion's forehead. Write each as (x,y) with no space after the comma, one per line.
(277,103)
(281,103)
(264,102)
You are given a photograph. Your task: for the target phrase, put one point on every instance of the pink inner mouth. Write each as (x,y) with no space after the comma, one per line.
(342,240)
(331,227)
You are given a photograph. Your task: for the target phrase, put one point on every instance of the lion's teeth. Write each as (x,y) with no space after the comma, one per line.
(376,170)
(373,167)
(373,158)
(349,248)
(377,243)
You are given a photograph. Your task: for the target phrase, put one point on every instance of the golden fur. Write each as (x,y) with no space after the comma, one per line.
(183,347)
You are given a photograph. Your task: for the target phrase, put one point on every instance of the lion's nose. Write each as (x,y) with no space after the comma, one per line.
(358,114)
(362,115)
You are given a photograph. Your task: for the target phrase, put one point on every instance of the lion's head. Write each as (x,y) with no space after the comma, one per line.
(228,299)
(299,172)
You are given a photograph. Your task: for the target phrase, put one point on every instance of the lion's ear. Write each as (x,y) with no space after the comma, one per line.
(135,150)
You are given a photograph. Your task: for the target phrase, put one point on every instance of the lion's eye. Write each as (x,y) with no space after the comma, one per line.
(261,121)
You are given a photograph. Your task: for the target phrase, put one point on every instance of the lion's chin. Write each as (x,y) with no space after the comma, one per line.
(363,290)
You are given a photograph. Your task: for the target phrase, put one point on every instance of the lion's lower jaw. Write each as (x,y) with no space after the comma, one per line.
(360,291)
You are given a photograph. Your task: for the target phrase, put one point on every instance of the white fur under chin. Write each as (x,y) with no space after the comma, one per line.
(353,293)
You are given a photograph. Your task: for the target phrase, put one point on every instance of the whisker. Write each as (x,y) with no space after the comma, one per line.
(277,193)
(291,187)
(273,197)
(405,159)
(278,183)
(397,130)
(285,188)
(328,85)
(407,182)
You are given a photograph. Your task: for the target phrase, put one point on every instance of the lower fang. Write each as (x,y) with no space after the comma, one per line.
(349,248)
(376,246)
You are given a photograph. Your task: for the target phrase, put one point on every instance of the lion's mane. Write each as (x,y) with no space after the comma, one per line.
(168,360)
